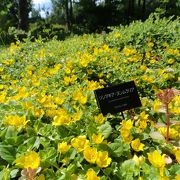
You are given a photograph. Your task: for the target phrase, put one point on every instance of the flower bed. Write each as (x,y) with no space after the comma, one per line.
(51,127)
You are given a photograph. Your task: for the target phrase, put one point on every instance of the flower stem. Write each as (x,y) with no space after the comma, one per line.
(168,122)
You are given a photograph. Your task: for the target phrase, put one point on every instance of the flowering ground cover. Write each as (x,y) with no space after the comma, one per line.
(51,127)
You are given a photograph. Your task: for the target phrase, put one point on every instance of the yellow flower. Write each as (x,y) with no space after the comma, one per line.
(177,177)
(1,69)
(153,61)
(66,161)
(137,145)
(175,110)
(15,120)
(171,61)
(57,66)
(161,171)
(177,154)
(77,116)
(80,143)
(138,160)
(35,82)
(1,86)
(157,106)
(41,54)
(129,51)
(148,54)
(143,67)
(8,62)
(147,79)
(105,47)
(78,96)
(97,138)
(175,105)
(143,116)
(156,159)
(85,59)
(38,112)
(117,35)
(41,177)
(89,71)
(150,44)
(102,159)
(125,130)
(90,154)
(67,70)
(173,133)
(62,119)
(155,89)
(73,78)
(63,147)
(142,124)
(91,175)
(99,119)
(126,135)
(2,97)
(29,160)
(59,100)
(176,101)
(67,80)
(92,85)
(127,124)
(142,121)
(27,105)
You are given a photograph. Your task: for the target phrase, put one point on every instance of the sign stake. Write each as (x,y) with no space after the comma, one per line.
(122,114)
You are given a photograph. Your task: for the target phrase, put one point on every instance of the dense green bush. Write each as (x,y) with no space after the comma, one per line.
(45,31)
(48,31)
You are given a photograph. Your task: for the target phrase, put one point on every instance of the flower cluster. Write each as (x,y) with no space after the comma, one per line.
(91,154)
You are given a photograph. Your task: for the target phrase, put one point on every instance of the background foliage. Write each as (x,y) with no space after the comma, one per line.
(20,19)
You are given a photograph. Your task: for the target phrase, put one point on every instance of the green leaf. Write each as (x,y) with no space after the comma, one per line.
(157,136)
(117,149)
(128,168)
(36,143)
(145,168)
(11,132)
(5,174)
(44,142)
(175,169)
(105,129)
(107,171)
(72,154)
(14,172)
(50,174)
(91,129)
(32,142)
(8,153)
(48,157)
(66,173)
(46,130)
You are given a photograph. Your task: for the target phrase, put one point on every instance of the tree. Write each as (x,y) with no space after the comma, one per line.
(15,13)
(8,14)
(62,12)
(23,14)
(93,15)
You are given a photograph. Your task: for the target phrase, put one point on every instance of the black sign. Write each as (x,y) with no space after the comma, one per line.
(117,98)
